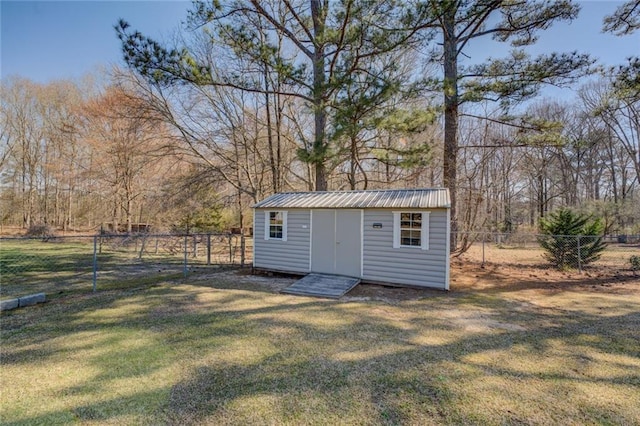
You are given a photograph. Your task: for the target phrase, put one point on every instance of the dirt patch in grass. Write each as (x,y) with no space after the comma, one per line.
(474,277)
(244,278)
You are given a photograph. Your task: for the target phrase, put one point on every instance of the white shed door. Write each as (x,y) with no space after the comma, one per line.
(336,242)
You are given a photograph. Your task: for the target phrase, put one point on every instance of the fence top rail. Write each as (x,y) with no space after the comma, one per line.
(506,234)
(232,234)
(110,235)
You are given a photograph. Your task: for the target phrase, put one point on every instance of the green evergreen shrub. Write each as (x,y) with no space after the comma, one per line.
(635,263)
(571,240)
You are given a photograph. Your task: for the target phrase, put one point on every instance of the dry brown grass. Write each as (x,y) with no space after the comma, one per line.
(614,259)
(500,348)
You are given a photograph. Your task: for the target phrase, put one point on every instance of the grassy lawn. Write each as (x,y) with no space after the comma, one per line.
(228,349)
(65,265)
(58,267)
(31,266)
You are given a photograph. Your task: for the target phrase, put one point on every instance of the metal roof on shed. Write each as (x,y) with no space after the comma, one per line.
(391,198)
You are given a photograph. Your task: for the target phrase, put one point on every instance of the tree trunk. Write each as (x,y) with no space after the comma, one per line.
(450,157)
(278,118)
(57,216)
(67,219)
(318,152)
(240,213)
(272,158)
(353,160)
(128,209)
(115,214)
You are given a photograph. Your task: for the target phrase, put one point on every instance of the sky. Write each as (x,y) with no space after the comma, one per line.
(50,40)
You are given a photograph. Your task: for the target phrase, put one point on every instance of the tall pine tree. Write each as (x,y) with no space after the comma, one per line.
(518,77)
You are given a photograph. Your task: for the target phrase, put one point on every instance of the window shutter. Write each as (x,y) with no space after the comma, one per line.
(396,229)
(284,226)
(266,225)
(424,234)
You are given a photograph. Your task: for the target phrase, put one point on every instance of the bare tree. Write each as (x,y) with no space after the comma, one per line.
(327,44)
(24,136)
(128,142)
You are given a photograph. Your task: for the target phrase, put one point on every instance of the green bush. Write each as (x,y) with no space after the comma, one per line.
(571,240)
(635,263)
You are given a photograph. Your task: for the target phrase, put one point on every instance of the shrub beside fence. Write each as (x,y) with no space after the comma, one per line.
(569,253)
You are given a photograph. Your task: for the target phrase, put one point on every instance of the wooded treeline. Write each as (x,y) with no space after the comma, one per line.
(256,97)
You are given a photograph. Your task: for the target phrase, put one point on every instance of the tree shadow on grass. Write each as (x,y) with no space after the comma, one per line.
(402,380)
(248,354)
(119,410)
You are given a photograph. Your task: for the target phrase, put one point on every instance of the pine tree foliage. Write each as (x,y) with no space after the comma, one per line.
(625,21)
(571,240)
(336,57)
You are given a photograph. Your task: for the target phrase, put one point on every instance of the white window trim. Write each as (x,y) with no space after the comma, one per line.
(424,230)
(267,223)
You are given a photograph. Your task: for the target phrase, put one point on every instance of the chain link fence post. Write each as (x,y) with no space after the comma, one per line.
(579,254)
(186,255)
(242,248)
(195,246)
(483,238)
(95,262)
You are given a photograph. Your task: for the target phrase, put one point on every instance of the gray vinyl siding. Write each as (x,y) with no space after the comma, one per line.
(381,262)
(289,256)
(404,265)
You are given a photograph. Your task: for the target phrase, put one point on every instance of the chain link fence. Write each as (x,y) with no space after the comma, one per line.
(569,253)
(84,263)
(55,265)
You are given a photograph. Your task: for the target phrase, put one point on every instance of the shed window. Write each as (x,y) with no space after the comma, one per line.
(275,225)
(411,229)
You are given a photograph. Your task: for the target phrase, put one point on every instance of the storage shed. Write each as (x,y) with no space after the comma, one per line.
(398,236)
